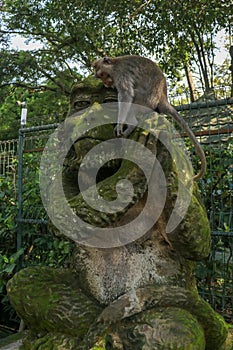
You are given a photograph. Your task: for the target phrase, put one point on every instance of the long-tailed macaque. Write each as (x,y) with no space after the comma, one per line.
(139,80)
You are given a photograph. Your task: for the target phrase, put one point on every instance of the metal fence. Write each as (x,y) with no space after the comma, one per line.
(31,142)
(8,155)
(212,123)
(215,275)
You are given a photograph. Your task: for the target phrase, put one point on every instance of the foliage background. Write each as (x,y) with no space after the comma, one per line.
(69,35)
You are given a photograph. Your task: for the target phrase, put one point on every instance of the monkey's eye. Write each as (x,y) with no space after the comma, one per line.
(107,60)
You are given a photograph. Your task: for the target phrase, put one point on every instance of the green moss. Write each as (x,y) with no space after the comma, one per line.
(90,82)
(168,329)
(49,341)
(229,341)
(56,299)
(192,236)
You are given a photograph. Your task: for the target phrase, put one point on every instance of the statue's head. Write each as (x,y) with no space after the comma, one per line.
(90,90)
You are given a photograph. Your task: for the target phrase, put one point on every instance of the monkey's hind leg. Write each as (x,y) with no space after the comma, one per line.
(131,125)
(120,132)
(129,130)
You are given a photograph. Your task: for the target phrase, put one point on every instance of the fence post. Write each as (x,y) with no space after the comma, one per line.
(20,197)
(231,69)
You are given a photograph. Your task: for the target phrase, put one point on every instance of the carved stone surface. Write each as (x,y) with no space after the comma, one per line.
(141,295)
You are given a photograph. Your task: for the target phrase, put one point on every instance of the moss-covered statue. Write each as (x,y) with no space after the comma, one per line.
(132,285)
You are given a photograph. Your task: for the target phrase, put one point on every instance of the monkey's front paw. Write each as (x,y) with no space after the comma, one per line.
(118,130)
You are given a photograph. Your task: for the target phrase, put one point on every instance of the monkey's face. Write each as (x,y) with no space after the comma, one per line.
(102,71)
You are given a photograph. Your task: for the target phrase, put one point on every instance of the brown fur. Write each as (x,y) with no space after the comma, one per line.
(140,81)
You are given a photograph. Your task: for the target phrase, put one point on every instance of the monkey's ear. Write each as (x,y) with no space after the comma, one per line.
(107,60)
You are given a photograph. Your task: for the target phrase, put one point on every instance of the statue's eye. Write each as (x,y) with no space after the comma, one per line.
(110,99)
(82,104)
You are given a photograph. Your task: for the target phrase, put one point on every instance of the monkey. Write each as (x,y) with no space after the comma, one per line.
(139,80)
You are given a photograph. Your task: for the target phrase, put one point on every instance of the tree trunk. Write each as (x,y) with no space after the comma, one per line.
(191,85)
(198,43)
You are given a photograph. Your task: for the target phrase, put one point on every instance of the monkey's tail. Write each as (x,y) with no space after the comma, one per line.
(168,109)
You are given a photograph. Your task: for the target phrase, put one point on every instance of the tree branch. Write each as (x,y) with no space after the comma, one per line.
(29,87)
